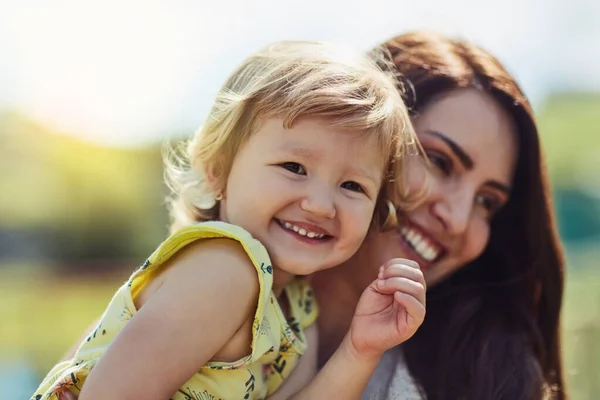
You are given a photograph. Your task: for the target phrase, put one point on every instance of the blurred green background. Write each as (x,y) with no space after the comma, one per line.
(76,219)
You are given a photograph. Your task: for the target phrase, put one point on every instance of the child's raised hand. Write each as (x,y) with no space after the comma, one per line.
(390,310)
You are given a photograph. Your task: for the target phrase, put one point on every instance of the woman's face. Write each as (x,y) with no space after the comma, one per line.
(471,143)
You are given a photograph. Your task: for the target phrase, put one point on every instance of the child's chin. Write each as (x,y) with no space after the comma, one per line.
(295,268)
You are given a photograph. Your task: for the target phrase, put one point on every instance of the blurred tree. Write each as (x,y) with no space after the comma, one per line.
(90,201)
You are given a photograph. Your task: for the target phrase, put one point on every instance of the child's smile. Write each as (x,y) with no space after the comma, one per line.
(305,231)
(318,185)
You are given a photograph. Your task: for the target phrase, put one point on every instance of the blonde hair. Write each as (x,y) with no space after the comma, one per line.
(288,80)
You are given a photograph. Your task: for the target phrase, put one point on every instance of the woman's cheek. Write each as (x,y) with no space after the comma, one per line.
(476,240)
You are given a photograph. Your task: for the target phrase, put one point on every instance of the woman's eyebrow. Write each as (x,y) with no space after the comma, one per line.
(465,159)
(499,186)
(460,153)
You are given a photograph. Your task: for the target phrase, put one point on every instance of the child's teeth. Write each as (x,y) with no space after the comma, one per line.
(302,231)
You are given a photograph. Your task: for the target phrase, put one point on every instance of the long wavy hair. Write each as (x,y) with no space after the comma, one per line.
(492,329)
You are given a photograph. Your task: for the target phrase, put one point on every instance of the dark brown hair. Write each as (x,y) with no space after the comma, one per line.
(492,329)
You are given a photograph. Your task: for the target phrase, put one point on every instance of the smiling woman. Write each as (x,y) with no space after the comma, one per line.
(484,237)
(470,183)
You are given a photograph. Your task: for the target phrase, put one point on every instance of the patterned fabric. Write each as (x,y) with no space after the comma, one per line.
(277,341)
(392,380)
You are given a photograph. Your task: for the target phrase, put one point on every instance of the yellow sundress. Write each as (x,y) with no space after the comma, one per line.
(277,341)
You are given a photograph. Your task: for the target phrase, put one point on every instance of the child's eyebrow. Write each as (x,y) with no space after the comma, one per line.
(302,152)
(372,174)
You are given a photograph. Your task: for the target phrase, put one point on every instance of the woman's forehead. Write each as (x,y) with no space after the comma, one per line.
(479,126)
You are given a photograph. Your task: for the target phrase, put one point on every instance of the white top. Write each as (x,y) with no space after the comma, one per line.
(391,380)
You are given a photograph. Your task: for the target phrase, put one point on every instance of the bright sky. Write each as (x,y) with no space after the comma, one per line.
(126,72)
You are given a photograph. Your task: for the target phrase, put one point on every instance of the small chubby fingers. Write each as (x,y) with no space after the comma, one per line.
(405,261)
(413,307)
(401,270)
(404,285)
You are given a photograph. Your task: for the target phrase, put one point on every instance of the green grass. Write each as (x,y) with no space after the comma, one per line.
(44,314)
(581,337)
(581,324)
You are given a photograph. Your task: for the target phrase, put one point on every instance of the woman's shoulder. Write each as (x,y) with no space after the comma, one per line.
(392,379)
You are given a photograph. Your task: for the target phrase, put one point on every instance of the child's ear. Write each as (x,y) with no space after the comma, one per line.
(214,179)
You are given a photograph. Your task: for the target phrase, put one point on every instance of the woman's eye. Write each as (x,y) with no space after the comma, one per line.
(490,203)
(353,186)
(294,167)
(440,161)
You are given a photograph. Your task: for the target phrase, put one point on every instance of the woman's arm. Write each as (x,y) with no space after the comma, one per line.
(159,348)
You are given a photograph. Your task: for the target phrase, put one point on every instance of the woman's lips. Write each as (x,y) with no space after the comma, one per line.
(421,243)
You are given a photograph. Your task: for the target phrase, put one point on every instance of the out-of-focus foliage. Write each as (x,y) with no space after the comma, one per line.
(67,199)
(570,129)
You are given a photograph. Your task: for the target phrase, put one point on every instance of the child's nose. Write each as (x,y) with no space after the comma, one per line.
(319,202)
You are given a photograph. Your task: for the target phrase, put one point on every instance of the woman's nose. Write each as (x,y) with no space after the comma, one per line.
(453,211)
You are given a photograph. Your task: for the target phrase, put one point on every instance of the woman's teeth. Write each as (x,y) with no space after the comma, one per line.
(302,231)
(421,245)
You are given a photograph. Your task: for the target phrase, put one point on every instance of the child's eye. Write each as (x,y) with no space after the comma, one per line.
(353,186)
(294,167)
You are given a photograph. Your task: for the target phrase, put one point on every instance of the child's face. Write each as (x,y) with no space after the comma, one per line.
(307,193)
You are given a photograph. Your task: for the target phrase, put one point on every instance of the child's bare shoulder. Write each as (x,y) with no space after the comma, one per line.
(218,270)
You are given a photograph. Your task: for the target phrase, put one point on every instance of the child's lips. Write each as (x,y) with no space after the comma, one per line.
(309,230)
